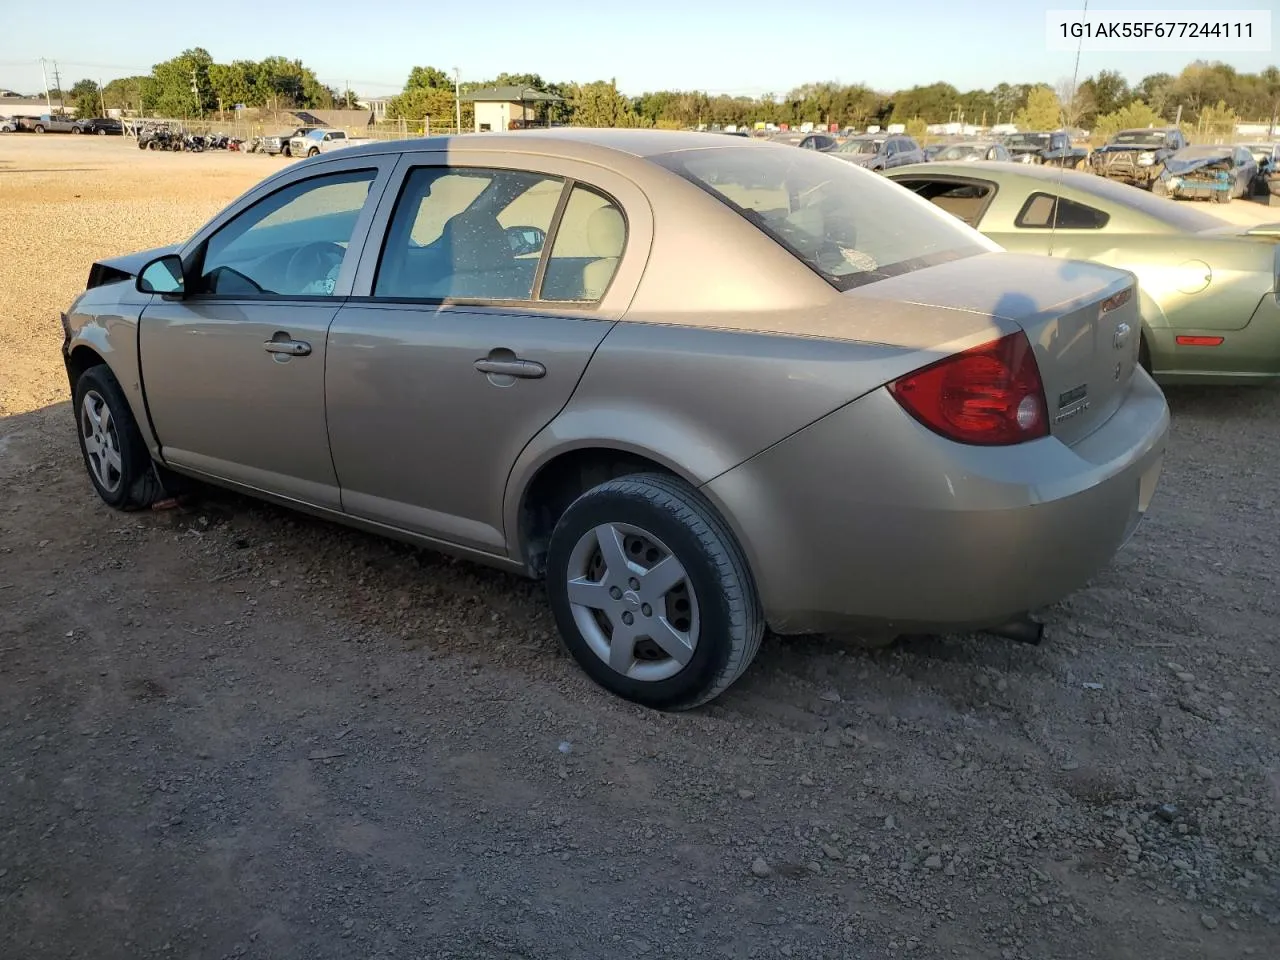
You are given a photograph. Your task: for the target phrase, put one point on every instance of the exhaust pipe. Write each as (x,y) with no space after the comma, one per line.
(1020,630)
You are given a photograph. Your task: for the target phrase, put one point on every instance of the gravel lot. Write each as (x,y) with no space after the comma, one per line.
(229,731)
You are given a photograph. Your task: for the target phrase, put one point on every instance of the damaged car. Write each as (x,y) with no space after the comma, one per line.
(1050,148)
(1217,173)
(697,386)
(1136,157)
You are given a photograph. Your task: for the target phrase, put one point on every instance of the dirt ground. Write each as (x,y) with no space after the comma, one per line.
(232,731)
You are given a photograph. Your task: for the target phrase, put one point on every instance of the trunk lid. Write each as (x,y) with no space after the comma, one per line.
(1081,318)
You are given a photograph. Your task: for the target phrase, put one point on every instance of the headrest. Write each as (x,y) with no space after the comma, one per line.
(606,232)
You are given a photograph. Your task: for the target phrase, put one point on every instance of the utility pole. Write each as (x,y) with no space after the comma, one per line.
(347,84)
(57,82)
(457,96)
(45,74)
(102,96)
(195,89)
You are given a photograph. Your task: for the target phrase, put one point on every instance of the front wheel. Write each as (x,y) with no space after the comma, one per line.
(651,592)
(115,455)
(1222,196)
(39,129)
(313,152)
(102,132)
(76,130)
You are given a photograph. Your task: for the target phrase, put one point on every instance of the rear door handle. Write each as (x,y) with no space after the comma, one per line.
(290,348)
(525,369)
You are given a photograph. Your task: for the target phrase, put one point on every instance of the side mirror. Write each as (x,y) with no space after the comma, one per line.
(162,275)
(525,240)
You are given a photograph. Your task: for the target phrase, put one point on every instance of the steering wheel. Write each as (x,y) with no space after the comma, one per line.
(313,268)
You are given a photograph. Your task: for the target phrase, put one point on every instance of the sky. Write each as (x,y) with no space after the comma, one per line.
(744,47)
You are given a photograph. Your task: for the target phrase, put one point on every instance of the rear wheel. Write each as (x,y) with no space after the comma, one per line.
(102,132)
(39,129)
(76,130)
(115,455)
(651,592)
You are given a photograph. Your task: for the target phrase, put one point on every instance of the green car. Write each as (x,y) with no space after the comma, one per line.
(1209,291)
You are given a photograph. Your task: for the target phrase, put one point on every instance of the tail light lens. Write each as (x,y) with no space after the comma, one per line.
(990,395)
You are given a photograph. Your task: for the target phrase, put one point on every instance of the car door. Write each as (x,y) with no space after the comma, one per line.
(473,321)
(888,153)
(234,367)
(1246,168)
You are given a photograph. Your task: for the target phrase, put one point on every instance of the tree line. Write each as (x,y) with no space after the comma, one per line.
(1204,93)
(193,84)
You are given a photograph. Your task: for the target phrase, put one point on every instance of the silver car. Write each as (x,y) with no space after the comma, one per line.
(699,385)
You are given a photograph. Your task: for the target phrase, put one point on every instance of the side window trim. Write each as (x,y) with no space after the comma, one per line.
(194,257)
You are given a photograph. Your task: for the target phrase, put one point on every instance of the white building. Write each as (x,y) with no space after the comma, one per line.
(509,108)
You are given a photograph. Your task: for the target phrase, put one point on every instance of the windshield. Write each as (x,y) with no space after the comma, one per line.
(1028,140)
(849,225)
(962,151)
(1140,138)
(860,146)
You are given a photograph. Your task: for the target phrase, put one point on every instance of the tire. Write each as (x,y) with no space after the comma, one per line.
(102,132)
(652,515)
(1158,188)
(1222,196)
(76,130)
(285,151)
(133,482)
(39,129)
(313,152)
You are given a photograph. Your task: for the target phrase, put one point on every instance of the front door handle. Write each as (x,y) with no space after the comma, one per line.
(290,348)
(524,369)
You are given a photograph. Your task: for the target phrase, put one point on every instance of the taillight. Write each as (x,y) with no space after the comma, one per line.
(990,395)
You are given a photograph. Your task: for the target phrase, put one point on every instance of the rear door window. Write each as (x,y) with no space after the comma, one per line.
(467,234)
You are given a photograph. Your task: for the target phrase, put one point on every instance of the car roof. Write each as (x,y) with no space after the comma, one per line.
(566,140)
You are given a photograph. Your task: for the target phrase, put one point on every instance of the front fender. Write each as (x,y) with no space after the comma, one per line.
(104,322)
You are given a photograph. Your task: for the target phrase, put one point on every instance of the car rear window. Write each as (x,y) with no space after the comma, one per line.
(849,225)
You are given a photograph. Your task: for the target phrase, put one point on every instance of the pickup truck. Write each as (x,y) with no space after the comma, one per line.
(322,141)
(1137,156)
(279,143)
(1044,147)
(49,123)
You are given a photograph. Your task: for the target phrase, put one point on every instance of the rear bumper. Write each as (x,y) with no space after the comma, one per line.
(866,518)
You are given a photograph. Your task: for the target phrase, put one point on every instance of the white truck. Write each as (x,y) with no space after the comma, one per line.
(322,140)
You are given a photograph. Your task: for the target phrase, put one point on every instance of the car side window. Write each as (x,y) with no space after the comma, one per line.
(468,234)
(589,241)
(890,148)
(966,201)
(290,244)
(1041,210)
